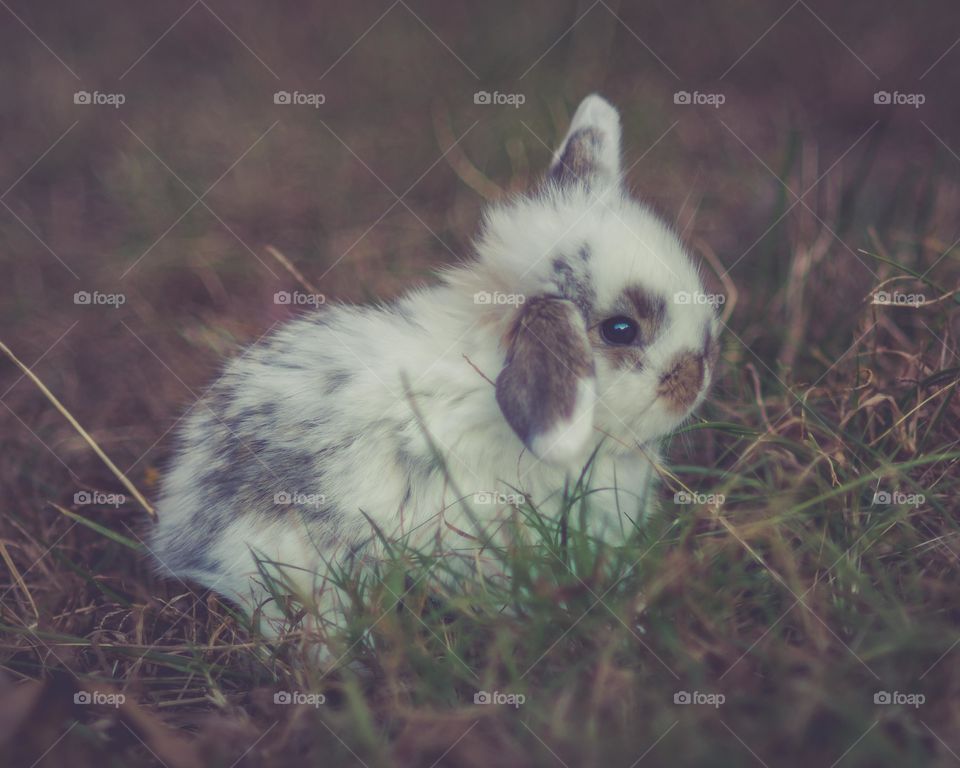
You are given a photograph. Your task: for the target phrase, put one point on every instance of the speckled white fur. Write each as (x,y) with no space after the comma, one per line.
(334,410)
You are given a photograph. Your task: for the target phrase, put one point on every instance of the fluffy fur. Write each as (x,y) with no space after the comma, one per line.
(341,414)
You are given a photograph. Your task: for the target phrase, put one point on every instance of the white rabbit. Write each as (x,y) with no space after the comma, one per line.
(576,330)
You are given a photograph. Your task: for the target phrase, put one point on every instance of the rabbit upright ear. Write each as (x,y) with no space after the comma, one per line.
(590,153)
(547,390)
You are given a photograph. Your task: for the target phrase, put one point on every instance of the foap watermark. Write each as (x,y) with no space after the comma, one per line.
(83,498)
(299,299)
(899,299)
(95,298)
(286,698)
(99,698)
(510,299)
(914,100)
(99,99)
(692,497)
(696,98)
(896,497)
(498,697)
(515,100)
(495,497)
(298,99)
(698,297)
(714,700)
(286,499)
(896,697)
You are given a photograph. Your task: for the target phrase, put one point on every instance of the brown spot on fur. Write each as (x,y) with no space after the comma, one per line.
(682,382)
(548,354)
(650,311)
(574,284)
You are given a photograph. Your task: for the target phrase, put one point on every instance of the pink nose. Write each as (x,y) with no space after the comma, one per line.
(682,382)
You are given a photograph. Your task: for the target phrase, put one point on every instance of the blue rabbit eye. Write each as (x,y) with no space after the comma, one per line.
(618,330)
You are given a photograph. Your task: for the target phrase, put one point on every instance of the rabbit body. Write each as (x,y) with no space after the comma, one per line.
(431,418)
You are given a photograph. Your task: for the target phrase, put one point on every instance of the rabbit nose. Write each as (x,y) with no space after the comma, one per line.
(682,382)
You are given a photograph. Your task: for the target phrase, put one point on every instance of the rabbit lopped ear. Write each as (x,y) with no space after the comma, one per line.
(590,153)
(547,389)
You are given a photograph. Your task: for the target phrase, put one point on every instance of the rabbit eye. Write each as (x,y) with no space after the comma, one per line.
(618,330)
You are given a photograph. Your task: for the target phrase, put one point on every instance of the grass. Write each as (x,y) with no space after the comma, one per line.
(797,598)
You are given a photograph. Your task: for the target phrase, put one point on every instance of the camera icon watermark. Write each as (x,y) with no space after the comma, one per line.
(515,100)
(497,298)
(295,498)
(684,98)
(299,299)
(99,698)
(915,100)
(698,297)
(515,700)
(95,298)
(84,498)
(914,700)
(705,499)
(715,700)
(286,698)
(888,498)
(298,99)
(503,499)
(86,98)
(899,299)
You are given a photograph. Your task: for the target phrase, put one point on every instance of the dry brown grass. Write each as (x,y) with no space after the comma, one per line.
(825,398)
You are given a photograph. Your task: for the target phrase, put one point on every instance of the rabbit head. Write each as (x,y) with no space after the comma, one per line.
(612,334)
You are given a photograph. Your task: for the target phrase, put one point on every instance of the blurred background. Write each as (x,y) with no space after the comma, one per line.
(167,168)
(172,197)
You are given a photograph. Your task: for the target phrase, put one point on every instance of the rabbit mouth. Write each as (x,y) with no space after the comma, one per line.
(639,435)
(629,426)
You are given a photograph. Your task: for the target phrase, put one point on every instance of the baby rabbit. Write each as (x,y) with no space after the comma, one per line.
(571,336)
